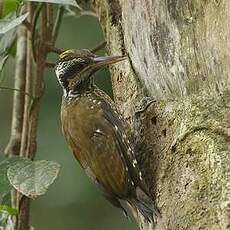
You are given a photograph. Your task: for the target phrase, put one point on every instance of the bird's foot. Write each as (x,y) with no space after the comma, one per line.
(143,105)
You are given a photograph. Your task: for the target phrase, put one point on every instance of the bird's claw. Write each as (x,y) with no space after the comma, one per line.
(144,104)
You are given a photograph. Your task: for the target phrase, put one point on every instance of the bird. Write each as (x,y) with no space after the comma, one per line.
(97,135)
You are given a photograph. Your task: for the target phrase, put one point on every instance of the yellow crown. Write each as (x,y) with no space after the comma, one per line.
(66,53)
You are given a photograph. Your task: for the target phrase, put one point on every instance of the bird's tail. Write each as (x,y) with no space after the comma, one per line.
(146,207)
(147,210)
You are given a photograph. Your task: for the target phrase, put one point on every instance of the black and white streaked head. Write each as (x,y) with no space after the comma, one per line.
(75,68)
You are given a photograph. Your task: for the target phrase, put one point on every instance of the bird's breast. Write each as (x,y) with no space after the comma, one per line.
(90,137)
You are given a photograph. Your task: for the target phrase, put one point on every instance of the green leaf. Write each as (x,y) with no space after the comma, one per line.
(5,185)
(6,41)
(9,6)
(34,177)
(6,222)
(31,178)
(64,2)
(6,199)
(8,24)
(9,210)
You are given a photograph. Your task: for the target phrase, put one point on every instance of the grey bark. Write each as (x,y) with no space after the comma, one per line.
(179,54)
(13,146)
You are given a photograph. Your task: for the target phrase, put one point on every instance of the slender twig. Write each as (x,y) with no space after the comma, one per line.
(50,64)
(50,21)
(86,13)
(33,86)
(14,143)
(34,23)
(38,86)
(57,23)
(98,47)
(89,13)
(23,202)
(28,87)
(13,146)
(51,48)
(18,90)
(28,25)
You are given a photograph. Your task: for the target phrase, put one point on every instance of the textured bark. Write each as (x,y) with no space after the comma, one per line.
(179,54)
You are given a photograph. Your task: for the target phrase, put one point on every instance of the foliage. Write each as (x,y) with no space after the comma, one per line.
(8,28)
(65,2)
(6,213)
(30,178)
(11,22)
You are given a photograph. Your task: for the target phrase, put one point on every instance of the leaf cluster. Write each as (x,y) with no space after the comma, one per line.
(30,178)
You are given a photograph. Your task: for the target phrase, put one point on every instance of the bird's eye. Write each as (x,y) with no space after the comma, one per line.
(78,63)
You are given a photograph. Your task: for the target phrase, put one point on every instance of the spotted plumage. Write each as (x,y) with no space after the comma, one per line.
(96,133)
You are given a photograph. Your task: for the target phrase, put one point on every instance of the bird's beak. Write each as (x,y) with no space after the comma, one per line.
(107,60)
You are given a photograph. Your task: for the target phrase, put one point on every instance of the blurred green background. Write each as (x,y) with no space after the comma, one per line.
(72,202)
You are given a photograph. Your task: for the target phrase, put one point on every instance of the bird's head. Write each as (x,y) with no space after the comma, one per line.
(76,66)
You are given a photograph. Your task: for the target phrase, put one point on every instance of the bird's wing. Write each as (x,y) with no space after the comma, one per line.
(115,120)
(110,165)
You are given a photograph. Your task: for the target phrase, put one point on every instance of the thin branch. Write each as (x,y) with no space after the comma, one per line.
(86,13)
(18,90)
(50,64)
(23,220)
(98,47)
(33,86)
(51,49)
(50,21)
(28,87)
(34,23)
(28,25)
(57,23)
(13,146)
(23,202)
(38,86)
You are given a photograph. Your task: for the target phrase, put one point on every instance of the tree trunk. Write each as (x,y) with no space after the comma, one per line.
(178,53)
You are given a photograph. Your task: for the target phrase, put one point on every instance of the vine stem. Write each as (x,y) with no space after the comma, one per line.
(18,90)
(13,146)
(34,86)
(23,203)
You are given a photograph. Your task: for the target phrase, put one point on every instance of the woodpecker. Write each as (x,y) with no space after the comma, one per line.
(96,134)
